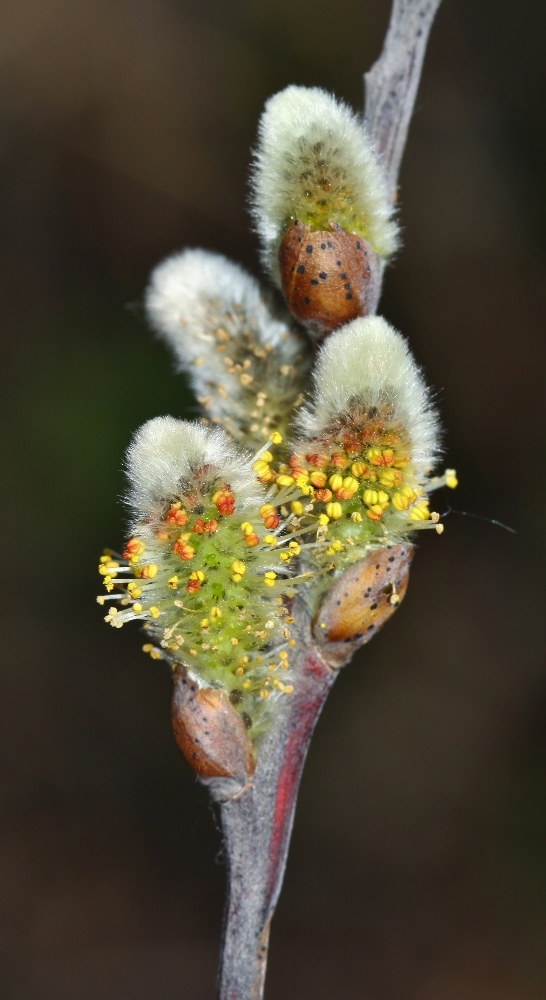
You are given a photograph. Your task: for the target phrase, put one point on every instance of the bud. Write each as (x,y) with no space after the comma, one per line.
(246,366)
(320,207)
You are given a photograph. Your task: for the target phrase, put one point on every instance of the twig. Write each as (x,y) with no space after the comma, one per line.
(391,84)
(257,820)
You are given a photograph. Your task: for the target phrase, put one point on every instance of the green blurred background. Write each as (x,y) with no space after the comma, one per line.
(417,869)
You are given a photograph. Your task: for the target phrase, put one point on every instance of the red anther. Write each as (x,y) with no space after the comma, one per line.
(318,459)
(183,550)
(210,526)
(271,521)
(176,516)
(344,494)
(193,586)
(324,495)
(251,539)
(199,526)
(339,460)
(133,548)
(225,502)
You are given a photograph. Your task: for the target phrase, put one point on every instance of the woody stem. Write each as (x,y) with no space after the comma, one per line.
(257,826)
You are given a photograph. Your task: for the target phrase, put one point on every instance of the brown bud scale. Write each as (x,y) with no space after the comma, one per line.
(361,600)
(209,732)
(328,277)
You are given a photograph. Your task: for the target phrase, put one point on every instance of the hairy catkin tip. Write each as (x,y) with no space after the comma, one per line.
(321,207)
(365,371)
(246,365)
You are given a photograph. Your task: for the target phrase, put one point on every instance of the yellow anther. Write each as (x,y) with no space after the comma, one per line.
(155,654)
(337,546)
(234,641)
(246,684)
(239,671)
(358,469)
(266,456)
(451,478)
(137,608)
(198,575)
(172,582)
(283,655)
(407,491)
(264,693)
(148,572)
(275,437)
(350,483)
(109,587)
(335,482)
(104,559)
(269,578)
(370,497)
(356,517)
(302,482)
(419,513)
(294,548)
(203,623)
(215,613)
(394,599)
(270,540)
(247,528)
(155,612)
(285,556)
(439,529)
(243,660)
(238,566)
(400,501)
(192,652)
(334,510)
(382,497)
(266,508)
(288,688)
(100,599)
(283,480)
(292,642)
(296,507)
(262,469)
(323,519)
(388,479)
(147,648)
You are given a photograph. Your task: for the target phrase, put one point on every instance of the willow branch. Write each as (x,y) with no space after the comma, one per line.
(391,84)
(257,817)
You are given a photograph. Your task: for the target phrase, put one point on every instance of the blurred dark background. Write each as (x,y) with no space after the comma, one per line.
(417,869)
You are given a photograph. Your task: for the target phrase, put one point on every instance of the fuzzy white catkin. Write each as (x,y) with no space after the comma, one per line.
(293,123)
(369,363)
(165,454)
(195,294)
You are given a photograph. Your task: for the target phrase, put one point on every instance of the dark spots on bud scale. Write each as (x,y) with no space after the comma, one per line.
(373,606)
(307,260)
